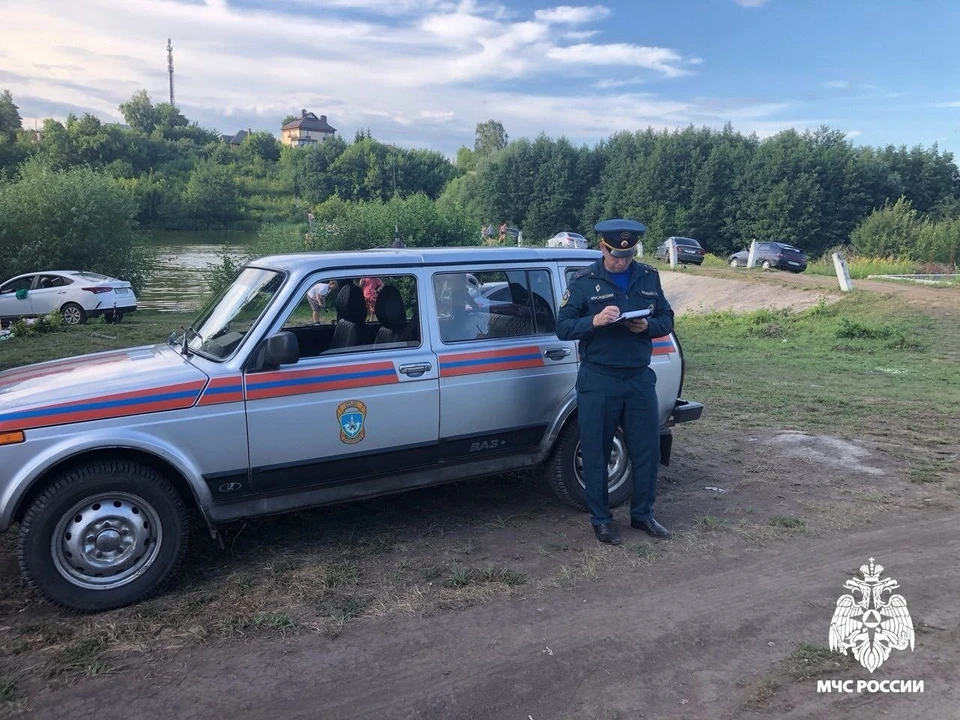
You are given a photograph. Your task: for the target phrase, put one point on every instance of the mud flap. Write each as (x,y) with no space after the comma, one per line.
(666,444)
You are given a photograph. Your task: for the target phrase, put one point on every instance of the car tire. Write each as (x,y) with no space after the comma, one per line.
(766,265)
(563,475)
(73,314)
(102,536)
(734,263)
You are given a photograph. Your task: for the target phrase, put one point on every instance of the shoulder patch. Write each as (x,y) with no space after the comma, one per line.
(566,297)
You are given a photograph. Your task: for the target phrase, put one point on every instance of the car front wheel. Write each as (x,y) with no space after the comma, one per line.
(734,263)
(73,314)
(103,536)
(564,470)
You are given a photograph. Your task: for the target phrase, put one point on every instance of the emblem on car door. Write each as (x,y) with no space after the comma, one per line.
(351,414)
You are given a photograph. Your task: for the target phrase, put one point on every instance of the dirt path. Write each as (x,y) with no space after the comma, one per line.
(693,638)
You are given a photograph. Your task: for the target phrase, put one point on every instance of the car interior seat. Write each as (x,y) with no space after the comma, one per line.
(352,315)
(392,316)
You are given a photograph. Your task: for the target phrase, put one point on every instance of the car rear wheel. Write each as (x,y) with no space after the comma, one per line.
(103,536)
(766,265)
(564,469)
(734,263)
(73,314)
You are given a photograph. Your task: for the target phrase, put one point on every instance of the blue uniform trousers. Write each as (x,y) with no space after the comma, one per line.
(607,397)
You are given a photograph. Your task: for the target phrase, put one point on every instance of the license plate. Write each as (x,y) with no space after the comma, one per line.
(122,291)
(791,262)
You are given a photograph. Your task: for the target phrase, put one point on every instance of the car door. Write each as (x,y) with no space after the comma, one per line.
(341,414)
(12,306)
(503,371)
(48,294)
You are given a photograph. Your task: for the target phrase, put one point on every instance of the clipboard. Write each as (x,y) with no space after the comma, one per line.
(634,314)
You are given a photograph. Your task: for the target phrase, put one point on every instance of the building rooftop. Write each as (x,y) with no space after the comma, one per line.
(309,121)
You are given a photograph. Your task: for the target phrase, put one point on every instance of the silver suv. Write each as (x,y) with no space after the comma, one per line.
(257,409)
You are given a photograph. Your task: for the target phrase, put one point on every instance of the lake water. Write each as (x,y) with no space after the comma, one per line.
(183,260)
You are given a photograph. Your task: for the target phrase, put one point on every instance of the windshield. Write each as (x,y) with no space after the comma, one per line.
(223,324)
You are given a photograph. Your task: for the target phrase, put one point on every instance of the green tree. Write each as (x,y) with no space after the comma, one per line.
(140,113)
(262,145)
(78,218)
(10,120)
(211,195)
(891,231)
(490,137)
(466,160)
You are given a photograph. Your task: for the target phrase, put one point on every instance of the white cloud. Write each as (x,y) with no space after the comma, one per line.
(660,59)
(566,14)
(751,3)
(837,84)
(415,72)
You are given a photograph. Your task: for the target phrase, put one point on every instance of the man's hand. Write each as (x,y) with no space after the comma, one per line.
(637,325)
(606,316)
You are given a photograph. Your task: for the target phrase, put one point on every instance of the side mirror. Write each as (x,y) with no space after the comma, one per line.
(282,348)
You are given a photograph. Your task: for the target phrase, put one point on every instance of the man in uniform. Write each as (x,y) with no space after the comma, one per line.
(615,385)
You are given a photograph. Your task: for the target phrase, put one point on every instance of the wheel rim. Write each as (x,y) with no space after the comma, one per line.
(733,263)
(616,467)
(71,315)
(106,540)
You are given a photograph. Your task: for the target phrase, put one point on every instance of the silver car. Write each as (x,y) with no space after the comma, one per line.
(255,409)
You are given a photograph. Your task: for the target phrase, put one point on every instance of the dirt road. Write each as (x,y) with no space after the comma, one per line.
(689,638)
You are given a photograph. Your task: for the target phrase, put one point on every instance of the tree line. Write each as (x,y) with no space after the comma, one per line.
(814,189)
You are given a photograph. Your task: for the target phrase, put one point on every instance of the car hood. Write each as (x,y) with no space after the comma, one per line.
(97,387)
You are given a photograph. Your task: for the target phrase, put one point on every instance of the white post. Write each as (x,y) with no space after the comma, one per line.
(673,252)
(843,273)
(752,255)
(639,249)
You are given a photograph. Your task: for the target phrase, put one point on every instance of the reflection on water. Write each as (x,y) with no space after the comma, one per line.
(183,260)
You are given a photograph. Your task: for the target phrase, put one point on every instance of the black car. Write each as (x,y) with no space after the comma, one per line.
(688,250)
(772,255)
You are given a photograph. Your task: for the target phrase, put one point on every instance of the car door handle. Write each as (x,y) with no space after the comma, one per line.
(415,369)
(556,353)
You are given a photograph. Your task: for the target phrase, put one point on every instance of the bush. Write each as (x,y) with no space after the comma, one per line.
(76,219)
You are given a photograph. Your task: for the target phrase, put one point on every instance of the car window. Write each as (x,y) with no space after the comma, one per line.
(494,304)
(688,241)
(20,283)
(52,281)
(570,273)
(337,315)
(96,277)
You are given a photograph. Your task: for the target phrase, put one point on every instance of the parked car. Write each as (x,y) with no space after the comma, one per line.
(772,255)
(688,250)
(77,295)
(568,240)
(254,410)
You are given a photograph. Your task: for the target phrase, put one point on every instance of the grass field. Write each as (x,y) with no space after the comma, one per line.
(863,368)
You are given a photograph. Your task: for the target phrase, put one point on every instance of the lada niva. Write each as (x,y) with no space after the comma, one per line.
(438,364)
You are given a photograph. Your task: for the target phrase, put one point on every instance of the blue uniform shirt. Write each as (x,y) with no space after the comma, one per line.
(614,345)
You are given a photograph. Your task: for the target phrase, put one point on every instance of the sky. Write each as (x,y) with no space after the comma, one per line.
(423,73)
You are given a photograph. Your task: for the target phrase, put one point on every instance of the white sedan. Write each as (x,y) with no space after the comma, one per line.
(77,295)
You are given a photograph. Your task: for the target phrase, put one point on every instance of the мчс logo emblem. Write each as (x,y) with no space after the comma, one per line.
(351,415)
(869,625)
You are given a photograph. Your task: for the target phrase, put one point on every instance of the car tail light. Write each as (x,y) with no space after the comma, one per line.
(98,289)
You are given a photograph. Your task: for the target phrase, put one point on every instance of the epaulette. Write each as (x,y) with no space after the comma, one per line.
(583,273)
(647,267)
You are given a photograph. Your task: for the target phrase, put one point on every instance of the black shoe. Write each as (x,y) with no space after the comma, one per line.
(650,527)
(607,533)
